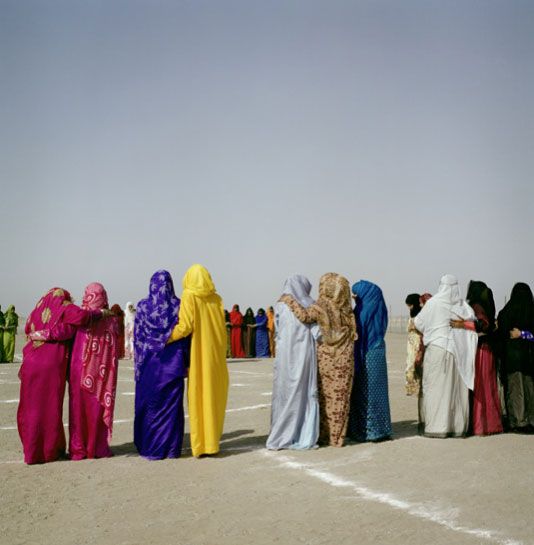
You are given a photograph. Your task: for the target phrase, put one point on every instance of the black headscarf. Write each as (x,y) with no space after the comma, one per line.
(519,311)
(414,300)
(478,293)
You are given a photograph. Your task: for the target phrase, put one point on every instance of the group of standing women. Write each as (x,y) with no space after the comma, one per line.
(329,379)
(250,336)
(9,322)
(173,339)
(66,342)
(470,359)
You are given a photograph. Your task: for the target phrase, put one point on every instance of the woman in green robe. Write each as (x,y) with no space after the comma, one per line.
(2,323)
(11,323)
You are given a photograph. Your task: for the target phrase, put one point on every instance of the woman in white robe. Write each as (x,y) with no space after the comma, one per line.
(129,319)
(295,405)
(449,362)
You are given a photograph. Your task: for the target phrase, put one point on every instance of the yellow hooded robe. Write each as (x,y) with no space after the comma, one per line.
(202,316)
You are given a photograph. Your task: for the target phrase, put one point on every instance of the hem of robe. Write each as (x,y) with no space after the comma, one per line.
(450,435)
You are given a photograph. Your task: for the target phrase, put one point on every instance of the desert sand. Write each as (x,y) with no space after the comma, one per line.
(411,490)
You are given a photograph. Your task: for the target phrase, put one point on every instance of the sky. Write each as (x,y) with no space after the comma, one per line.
(383,140)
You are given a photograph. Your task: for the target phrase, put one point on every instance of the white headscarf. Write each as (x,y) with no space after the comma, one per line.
(434,322)
(129,316)
(299,287)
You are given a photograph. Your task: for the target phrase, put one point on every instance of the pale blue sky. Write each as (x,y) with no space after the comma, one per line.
(385,140)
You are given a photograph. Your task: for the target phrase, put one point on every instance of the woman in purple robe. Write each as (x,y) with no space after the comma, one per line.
(160,370)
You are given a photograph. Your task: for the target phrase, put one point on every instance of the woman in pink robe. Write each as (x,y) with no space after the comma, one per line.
(93,381)
(43,374)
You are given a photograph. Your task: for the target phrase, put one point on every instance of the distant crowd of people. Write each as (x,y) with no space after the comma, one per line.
(330,380)
(250,336)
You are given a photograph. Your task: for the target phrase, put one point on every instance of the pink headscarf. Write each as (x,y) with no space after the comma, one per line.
(100,353)
(48,312)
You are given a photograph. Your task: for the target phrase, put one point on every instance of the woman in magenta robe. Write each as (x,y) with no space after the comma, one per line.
(43,374)
(236,321)
(486,416)
(93,381)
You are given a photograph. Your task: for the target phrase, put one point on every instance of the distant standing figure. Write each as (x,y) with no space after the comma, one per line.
(129,320)
(414,358)
(119,316)
(93,374)
(262,337)
(2,324)
(10,333)
(249,333)
(236,321)
(370,417)
(228,334)
(271,331)
(413,365)
(295,405)
(43,374)
(160,372)
(335,353)
(202,316)
(517,358)
(449,362)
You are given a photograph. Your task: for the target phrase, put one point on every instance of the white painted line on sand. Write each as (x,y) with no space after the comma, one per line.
(126,380)
(9,381)
(8,427)
(238,385)
(252,407)
(128,393)
(266,394)
(249,373)
(9,400)
(444,518)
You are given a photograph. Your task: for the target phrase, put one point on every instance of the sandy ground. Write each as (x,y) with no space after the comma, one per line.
(410,490)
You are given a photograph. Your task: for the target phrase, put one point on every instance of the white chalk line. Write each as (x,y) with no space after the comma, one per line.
(266,394)
(442,518)
(128,393)
(249,373)
(238,385)
(9,400)
(128,420)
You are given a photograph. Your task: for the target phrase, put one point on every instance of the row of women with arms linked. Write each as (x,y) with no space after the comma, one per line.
(479,380)
(250,336)
(9,322)
(173,339)
(330,372)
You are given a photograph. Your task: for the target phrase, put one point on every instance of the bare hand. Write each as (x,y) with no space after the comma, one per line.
(457,324)
(515,333)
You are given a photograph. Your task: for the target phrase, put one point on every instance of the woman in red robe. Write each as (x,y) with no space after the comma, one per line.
(93,381)
(119,313)
(236,322)
(43,374)
(486,413)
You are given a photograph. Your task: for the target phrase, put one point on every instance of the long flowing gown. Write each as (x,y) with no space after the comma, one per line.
(236,321)
(249,334)
(10,333)
(262,337)
(43,376)
(160,370)
(370,416)
(486,402)
(202,316)
(93,374)
(2,323)
(159,402)
(295,406)
(119,313)
(335,354)
(271,331)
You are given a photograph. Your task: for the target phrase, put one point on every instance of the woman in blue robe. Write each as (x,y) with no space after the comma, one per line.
(262,335)
(160,370)
(370,418)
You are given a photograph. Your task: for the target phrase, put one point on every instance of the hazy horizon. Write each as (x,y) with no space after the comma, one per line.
(381,140)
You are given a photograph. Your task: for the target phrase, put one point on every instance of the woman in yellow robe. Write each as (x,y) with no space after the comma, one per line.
(201,315)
